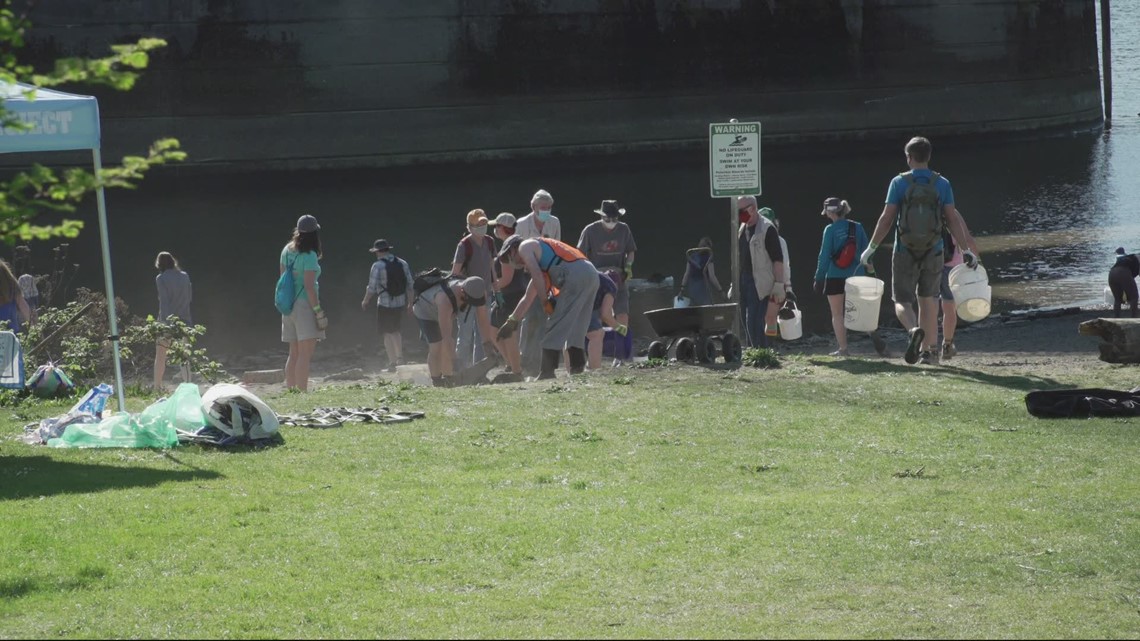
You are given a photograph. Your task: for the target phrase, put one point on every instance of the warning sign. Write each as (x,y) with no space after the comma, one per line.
(734,159)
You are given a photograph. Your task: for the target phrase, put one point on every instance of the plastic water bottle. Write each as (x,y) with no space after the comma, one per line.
(94,401)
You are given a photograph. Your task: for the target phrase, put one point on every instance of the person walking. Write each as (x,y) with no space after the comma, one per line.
(608,244)
(563,281)
(539,223)
(700,274)
(302,327)
(953,255)
(919,205)
(771,327)
(843,242)
(175,293)
(390,282)
(474,255)
(761,270)
(1122,281)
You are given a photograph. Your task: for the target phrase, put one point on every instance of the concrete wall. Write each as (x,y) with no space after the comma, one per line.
(331,83)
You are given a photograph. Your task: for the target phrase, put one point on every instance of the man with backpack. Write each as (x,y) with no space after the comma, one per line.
(439,299)
(919,206)
(390,281)
(474,255)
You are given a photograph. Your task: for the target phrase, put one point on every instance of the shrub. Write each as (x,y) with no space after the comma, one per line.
(765,357)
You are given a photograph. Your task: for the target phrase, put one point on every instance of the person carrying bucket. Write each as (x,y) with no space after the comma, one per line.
(952,254)
(918,207)
(843,241)
(762,283)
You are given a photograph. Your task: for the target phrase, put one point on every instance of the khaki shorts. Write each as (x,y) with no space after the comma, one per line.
(300,324)
(910,275)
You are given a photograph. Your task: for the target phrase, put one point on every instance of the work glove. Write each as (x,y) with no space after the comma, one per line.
(777,294)
(322,320)
(622,330)
(817,286)
(629,271)
(868,254)
(500,301)
(970,259)
(508,328)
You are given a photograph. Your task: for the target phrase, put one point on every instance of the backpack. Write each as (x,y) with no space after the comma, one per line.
(286,293)
(846,254)
(429,278)
(920,216)
(396,281)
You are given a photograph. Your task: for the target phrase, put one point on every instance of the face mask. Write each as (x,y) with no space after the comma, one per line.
(609,225)
(544,215)
(477,231)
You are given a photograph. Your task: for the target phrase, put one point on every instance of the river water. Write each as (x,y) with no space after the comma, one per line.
(1047,214)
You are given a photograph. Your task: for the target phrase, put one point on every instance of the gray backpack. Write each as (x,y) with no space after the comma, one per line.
(920,215)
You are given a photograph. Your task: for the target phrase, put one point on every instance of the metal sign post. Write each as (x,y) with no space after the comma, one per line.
(734,170)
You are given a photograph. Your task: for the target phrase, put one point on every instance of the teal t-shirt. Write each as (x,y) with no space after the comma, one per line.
(306,262)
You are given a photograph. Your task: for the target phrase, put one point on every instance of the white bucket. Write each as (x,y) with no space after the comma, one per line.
(680,301)
(791,328)
(971,289)
(1108,299)
(861,307)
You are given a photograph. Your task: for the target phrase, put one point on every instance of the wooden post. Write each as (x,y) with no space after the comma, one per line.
(733,224)
(1106,56)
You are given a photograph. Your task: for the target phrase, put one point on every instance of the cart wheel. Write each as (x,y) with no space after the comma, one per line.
(657,349)
(706,350)
(731,348)
(685,349)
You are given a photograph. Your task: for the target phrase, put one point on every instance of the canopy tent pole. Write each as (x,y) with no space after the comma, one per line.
(110,287)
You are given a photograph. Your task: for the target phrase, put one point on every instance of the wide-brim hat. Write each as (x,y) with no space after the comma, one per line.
(512,242)
(610,209)
(381,246)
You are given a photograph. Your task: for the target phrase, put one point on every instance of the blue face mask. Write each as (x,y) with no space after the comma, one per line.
(544,215)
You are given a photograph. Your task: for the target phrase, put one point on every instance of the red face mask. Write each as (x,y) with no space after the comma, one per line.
(743,216)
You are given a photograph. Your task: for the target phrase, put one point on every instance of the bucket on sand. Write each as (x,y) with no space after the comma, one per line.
(861,304)
(790,320)
(971,289)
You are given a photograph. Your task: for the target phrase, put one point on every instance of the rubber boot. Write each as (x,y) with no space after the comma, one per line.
(577,358)
(550,358)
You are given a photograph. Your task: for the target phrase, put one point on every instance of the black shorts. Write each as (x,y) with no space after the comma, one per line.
(430,330)
(834,286)
(389,319)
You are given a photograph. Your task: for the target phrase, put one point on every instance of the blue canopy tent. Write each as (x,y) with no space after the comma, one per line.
(61,121)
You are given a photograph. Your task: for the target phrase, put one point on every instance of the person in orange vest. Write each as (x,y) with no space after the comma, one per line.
(565,283)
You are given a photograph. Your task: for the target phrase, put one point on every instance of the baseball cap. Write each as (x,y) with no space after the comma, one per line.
(476,218)
(475,290)
(307,223)
(512,242)
(834,205)
(768,213)
(505,219)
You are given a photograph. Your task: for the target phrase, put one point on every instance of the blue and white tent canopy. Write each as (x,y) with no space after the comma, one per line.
(63,122)
(59,121)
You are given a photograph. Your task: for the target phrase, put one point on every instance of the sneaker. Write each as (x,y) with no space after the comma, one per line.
(392,367)
(839,353)
(928,357)
(880,344)
(948,351)
(912,347)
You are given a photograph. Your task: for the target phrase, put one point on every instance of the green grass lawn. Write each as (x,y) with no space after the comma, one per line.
(828,498)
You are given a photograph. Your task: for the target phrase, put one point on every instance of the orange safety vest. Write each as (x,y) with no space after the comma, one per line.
(563,253)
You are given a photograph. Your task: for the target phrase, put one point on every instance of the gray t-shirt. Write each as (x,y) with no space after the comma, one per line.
(482,253)
(174,295)
(606,248)
(425,308)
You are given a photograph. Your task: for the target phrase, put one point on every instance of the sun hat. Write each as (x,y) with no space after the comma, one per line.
(381,246)
(506,219)
(476,218)
(475,290)
(307,224)
(512,242)
(610,209)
